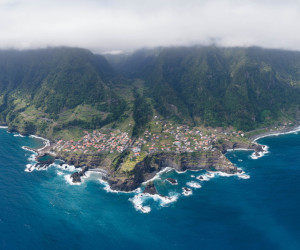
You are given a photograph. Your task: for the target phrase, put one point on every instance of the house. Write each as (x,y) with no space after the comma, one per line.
(136,149)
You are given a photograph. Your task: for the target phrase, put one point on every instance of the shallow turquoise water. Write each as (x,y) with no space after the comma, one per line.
(41,210)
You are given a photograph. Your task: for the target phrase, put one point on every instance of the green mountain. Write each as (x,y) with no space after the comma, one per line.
(55,88)
(58,92)
(241,87)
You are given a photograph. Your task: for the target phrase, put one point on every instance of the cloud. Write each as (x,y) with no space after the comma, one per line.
(130,24)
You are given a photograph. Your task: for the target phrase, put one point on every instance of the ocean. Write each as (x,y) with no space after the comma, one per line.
(41,210)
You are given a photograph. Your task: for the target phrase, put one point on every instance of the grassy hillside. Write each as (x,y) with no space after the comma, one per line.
(45,91)
(59,92)
(242,87)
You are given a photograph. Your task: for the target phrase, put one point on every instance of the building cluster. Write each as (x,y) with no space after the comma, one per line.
(161,136)
(99,141)
(173,138)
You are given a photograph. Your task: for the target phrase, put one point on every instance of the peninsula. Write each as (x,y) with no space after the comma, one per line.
(131,116)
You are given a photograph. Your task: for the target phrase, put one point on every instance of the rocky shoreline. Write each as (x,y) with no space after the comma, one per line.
(151,165)
(272,132)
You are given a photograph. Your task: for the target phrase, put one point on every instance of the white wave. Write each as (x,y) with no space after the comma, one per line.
(19,135)
(206,177)
(69,168)
(46,141)
(27,149)
(180,172)
(187,191)
(29,167)
(32,158)
(69,180)
(88,175)
(138,201)
(278,133)
(59,173)
(157,176)
(240,160)
(257,155)
(239,149)
(41,168)
(4,127)
(240,175)
(39,137)
(224,174)
(185,171)
(108,189)
(140,198)
(244,176)
(163,200)
(193,184)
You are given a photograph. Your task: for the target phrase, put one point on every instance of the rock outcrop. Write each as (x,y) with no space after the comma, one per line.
(172,181)
(152,164)
(224,147)
(150,189)
(76,177)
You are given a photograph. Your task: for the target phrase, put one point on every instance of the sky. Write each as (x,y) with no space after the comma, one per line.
(125,25)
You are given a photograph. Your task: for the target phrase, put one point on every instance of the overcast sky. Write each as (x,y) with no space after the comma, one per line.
(111,25)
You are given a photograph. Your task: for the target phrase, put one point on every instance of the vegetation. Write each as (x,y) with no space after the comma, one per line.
(55,92)
(142,114)
(241,87)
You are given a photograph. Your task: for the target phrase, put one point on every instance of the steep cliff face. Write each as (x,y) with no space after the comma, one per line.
(152,164)
(92,161)
(224,147)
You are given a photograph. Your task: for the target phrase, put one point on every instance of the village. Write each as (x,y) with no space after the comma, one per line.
(160,136)
(99,141)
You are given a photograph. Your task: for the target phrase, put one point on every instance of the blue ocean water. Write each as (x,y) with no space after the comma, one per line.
(41,210)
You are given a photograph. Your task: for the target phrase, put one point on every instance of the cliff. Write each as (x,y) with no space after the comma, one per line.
(224,147)
(152,164)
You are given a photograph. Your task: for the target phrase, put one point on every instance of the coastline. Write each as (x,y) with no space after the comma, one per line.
(46,148)
(284,131)
(48,145)
(46,142)
(255,155)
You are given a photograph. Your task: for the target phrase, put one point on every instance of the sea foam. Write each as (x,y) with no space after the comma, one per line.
(139,199)
(187,191)
(258,155)
(108,189)
(69,180)
(18,135)
(193,184)
(157,175)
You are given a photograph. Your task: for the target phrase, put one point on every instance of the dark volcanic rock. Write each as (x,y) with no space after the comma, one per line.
(229,145)
(150,189)
(45,159)
(258,148)
(92,161)
(172,181)
(76,177)
(152,164)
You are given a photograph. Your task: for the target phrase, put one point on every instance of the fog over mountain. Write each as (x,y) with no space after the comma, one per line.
(127,25)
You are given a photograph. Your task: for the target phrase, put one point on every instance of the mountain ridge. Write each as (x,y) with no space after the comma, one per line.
(246,88)
(179,106)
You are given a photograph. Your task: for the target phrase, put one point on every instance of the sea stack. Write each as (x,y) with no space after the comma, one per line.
(150,189)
